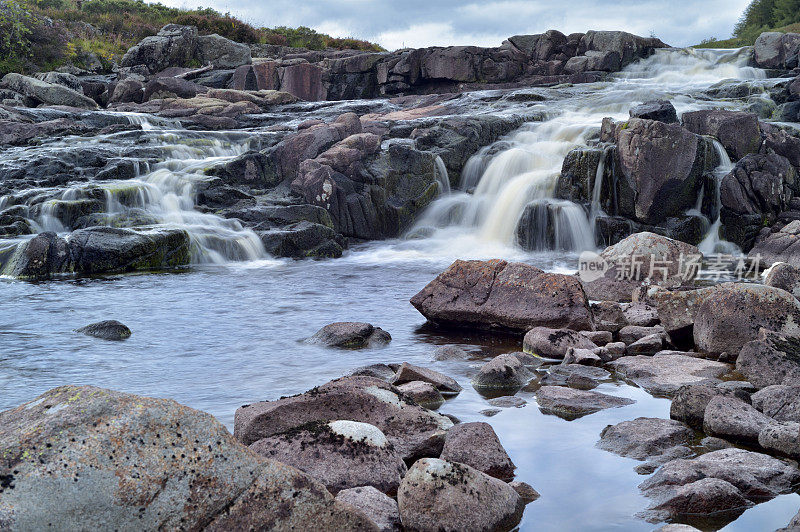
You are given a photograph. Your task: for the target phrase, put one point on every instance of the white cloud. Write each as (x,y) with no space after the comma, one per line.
(433,34)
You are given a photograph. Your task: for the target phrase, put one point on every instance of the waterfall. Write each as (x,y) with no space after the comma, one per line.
(712,243)
(442,179)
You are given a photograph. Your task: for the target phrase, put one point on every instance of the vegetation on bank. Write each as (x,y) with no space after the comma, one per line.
(38,35)
(758,17)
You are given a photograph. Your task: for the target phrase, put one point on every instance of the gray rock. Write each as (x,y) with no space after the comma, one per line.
(505,372)
(781,438)
(423,393)
(450,352)
(649,345)
(771,359)
(508,401)
(179,468)
(661,110)
(221,52)
(107,330)
(409,373)
(609,316)
(350,335)
(689,402)
(702,497)
(664,374)
(780,246)
(776,50)
(341,454)
(477,445)
(611,351)
(585,357)
(640,314)
(575,376)
(525,491)
(738,132)
(633,333)
(437,494)
(128,90)
(779,402)
(379,371)
(644,437)
(671,453)
(784,276)
(599,338)
(173,46)
(715,444)
(677,311)
(733,419)
(378,507)
(47,93)
(569,403)
(554,343)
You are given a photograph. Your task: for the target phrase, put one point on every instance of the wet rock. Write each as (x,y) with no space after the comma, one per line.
(599,338)
(350,335)
(413,430)
(502,372)
(409,373)
(47,93)
(689,402)
(437,494)
(477,445)
(423,393)
(784,276)
(107,330)
(525,491)
(664,374)
(508,402)
(738,132)
(732,419)
(379,371)
(732,315)
(649,345)
(304,240)
(554,343)
(660,110)
(172,46)
(569,403)
(644,437)
(701,497)
(450,352)
(781,438)
(179,466)
(221,52)
(252,169)
(497,294)
(310,142)
(780,246)
(779,402)
(340,454)
(381,509)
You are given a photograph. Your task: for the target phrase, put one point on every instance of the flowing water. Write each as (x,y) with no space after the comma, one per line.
(229,330)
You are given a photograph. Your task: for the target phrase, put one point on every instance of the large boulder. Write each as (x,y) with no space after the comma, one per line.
(497,294)
(569,403)
(644,437)
(477,445)
(780,246)
(664,373)
(737,131)
(221,52)
(47,93)
(413,430)
(554,343)
(172,46)
(779,402)
(689,402)
(677,310)
(170,87)
(784,276)
(733,313)
(82,457)
(734,420)
(775,50)
(629,47)
(441,495)
(770,359)
(503,372)
(660,110)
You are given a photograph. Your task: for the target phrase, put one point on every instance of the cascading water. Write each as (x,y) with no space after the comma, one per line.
(712,243)
(442,178)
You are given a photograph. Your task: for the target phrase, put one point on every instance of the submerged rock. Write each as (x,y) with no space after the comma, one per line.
(570,403)
(423,393)
(477,445)
(107,330)
(497,294)
(350,335)
(664,374)
(644,437)
(450,352)
(436,494)
(502,372)
(378,507)
(67,454)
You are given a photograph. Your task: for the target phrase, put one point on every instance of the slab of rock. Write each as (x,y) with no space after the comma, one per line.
(780,246)
(525,491)
(661,110)
(554,343)
(47,93)
(669,454)
(477,445)
(440,495)
(585,357)
(730,418)
(569,403)
(450,352)
(689,402)
(502,372)
(779,402)
(378,507)
(664,374)
(410,373)
(84,457)
(508,401)
(782,438)
(107,330)
(350,335)
(649,345)
(737,131)
(575,376)
(644,437)
(633,333)
(413,430)
(784,276)
(423,393)
(497,294)
(771,359)
(599,338)
(341,454)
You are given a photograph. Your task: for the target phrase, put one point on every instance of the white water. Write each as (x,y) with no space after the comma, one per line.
(712,243)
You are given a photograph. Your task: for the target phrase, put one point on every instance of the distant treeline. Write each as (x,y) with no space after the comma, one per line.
(758,17)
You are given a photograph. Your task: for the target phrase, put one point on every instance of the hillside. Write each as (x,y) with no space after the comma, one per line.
(760,16)
(38,35)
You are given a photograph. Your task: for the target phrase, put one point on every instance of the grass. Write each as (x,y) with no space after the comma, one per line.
(738,42)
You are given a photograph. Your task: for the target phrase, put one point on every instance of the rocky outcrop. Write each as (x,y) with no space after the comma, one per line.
(779,246)
(80,456)
(47,93)
(770,359)
(221,53)
(776,50)
(738,132)
(497,294)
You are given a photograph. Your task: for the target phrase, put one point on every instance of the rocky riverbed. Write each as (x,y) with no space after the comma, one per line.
(439,364)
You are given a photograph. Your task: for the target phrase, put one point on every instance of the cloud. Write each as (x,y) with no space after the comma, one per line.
(417,23)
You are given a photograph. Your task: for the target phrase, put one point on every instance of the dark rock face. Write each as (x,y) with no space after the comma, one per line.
(770,359)
(304,240)
(182,469)
(107,330)
(780,246)
(500,295)
(253,169)
(477,445)
(738,132)
(350,335)
(168,87)
(659,110)
(776,50)
(644,437)
(438,494)
(173,46)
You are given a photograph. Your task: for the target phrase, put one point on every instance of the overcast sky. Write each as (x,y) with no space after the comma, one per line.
(416,23)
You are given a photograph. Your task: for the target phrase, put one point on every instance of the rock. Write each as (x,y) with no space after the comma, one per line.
(715,444)
(47,93)
(677,311)
(413,430)
(107,330)
(440,495)
(304,80)
(611,351)
(423,393)
(779,402)
(782,438)
(634,333)
(379,371)
(554,343)
(409,373)
(306,240)
(641,314)
(784,276)
(508,402)
(350,335)
(689,402)
(702,497)
(776,50)
(68,452)
(733,313)
(675,527)
(525,491)
(793,526)
(502,372)
(649,345)
(69,81)
(734,420)
(660,110)
(644,437)
(738,132)
(569,403)
(652,463)
(172,46)
(381,509)
(168,87)
(221,52)
(663,374)
(128,90)
(599,338)
(340,454)
(497,294)
(780,246)
(609,316)
(585,357)
(450,352)
(630,47)
(576,376)
(477,445)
